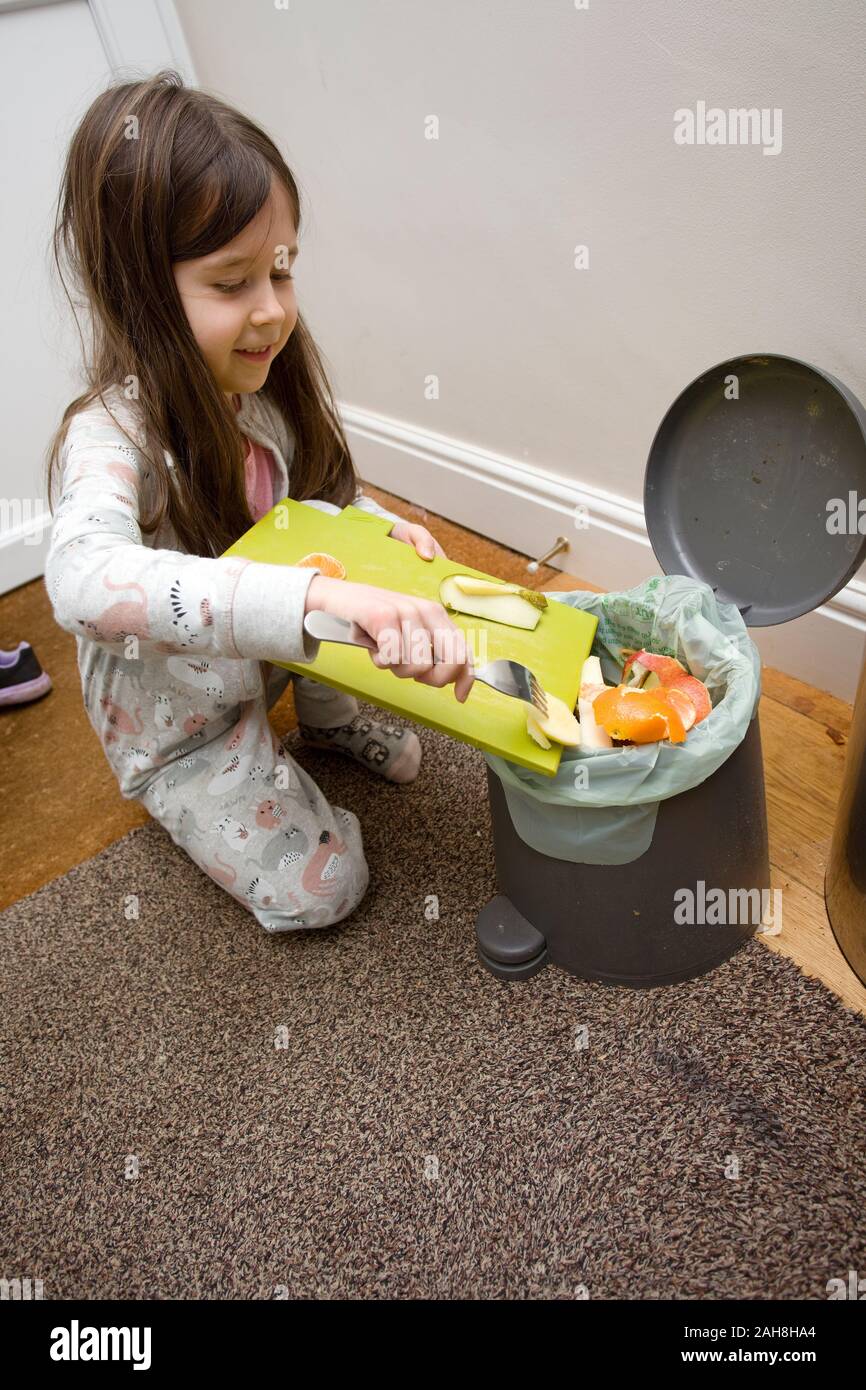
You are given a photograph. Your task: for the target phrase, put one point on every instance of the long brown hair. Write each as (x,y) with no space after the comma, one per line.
(193,178)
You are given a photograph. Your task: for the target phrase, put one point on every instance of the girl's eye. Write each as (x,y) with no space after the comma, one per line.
(230,289)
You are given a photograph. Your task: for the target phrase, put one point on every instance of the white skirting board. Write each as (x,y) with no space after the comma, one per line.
(527,508)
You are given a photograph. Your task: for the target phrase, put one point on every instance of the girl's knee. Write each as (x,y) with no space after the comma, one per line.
(328,878)
(292,859)
(321,912)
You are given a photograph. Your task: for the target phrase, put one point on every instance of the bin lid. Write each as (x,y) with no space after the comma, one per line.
(753,485)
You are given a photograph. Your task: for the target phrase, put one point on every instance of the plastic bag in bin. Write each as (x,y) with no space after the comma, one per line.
(601,806)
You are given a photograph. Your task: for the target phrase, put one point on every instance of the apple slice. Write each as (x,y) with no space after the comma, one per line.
(534,731)
(506,608)
(592,735)
(559,724)
(467,584)
(591,673)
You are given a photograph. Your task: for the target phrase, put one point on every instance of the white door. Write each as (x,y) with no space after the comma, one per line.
(55,57)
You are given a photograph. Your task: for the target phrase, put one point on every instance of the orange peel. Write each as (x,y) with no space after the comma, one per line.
(638,716)
(695,690)
(683,704)
(666,673)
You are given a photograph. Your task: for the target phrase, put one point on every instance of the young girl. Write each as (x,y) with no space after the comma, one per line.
(207,404)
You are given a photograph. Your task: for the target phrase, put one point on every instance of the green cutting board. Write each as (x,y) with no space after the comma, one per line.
(555,651)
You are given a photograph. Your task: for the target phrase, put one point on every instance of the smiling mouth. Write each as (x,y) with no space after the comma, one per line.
(256,354)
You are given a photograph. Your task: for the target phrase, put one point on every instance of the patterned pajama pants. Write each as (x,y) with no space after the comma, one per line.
(257,824)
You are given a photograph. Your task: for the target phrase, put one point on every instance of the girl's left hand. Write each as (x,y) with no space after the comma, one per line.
(425,544)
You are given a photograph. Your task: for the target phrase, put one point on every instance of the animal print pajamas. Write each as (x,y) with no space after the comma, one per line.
(254,821)
(175,653)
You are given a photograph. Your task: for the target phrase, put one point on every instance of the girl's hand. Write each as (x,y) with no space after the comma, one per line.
(425,544)
(415,636)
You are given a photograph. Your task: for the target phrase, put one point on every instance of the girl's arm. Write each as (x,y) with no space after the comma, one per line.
(367,504)
(104,583)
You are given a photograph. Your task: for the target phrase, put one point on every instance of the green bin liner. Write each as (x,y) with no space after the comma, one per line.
(601,806)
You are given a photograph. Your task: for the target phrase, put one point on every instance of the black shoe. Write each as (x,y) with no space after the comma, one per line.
(21,676)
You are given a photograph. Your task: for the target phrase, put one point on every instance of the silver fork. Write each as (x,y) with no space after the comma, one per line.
(508,677)
(512,678)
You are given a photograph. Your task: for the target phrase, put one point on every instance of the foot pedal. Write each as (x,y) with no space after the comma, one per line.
(508,945)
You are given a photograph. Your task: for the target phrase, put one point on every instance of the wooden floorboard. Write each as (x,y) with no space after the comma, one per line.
(61,803)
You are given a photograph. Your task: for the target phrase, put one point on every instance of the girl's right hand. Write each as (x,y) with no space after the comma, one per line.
(415,635)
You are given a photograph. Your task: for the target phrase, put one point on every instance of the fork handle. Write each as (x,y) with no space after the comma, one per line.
(327,627)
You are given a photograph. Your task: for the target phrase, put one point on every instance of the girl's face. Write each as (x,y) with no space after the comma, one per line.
(243,295)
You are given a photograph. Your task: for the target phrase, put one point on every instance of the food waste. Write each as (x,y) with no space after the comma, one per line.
(659,700)
(656,699)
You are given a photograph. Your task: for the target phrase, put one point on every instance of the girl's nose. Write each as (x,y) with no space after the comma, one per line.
(269,309)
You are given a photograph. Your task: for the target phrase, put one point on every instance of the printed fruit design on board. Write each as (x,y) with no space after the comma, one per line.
(325,563)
